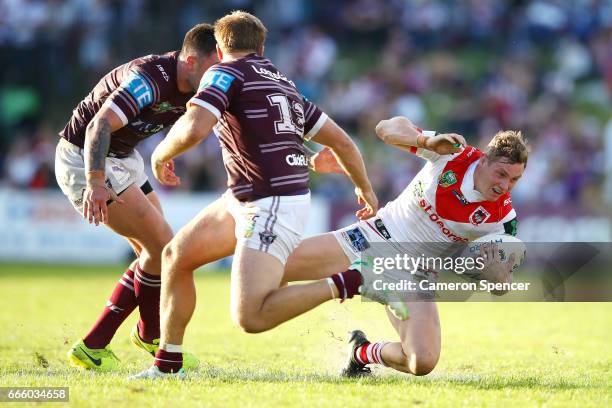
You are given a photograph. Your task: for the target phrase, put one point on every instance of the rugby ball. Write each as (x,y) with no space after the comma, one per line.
(506,245)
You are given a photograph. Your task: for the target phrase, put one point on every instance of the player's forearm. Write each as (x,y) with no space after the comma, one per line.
(351,161)
(399,131)
(181,137)
(97,142)
(191,128)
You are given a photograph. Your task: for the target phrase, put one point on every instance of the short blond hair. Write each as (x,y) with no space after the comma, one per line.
(508,144)
(240,31)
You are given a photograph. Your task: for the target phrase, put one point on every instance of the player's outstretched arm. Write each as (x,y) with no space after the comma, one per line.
(349,158)
(191,128)
(401,133)
(97,142)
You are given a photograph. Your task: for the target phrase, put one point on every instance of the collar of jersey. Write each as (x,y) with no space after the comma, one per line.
(467,186)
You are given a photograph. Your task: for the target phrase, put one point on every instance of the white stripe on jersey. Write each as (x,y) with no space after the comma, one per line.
(206,105)
(110,104)
(317,126)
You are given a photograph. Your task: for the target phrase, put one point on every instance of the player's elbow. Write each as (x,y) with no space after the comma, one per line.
(380,130)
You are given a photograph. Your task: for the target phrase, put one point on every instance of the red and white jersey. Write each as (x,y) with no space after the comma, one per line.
(442,205)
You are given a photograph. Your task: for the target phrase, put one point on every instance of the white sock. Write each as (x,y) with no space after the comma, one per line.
(171,348)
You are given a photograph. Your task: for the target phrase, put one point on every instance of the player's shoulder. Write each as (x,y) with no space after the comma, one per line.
(162,65)
(235,69)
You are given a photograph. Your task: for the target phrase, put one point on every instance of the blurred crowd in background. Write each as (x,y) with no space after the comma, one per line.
(471,67)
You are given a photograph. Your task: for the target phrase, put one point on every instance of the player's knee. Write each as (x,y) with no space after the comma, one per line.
(422,362)
(249,323)
(170,254)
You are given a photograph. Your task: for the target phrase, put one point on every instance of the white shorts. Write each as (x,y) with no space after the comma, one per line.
(371,238)
(273,225)
(70,172)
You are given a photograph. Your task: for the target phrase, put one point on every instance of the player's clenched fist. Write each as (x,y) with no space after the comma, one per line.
(445,143)
(164,172)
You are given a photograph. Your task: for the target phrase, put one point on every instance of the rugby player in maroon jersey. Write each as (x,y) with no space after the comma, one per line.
(103,176)
(261,121)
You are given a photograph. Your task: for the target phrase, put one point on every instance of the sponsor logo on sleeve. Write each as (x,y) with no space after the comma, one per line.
(479,216)
(219,79)
(447,179)
(139,88)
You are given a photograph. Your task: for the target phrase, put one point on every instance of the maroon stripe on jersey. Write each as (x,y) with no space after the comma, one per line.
(223,103)
(450,208)
(309,112)
(286,87)
(272,88)
(277,143)
(217,94)
(297,181)
(275,149)
(129,101)
(230,70)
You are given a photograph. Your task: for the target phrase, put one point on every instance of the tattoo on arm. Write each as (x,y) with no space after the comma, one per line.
(97,143)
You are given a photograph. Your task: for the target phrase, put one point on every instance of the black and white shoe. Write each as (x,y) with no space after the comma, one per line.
(354,368)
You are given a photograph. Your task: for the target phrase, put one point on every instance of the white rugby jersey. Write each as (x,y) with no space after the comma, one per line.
(441,204)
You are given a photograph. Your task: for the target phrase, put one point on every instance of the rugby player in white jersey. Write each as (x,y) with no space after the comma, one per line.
(461,194)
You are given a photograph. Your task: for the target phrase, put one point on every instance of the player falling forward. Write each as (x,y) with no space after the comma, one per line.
(261,121)
(103,176)
(461,194)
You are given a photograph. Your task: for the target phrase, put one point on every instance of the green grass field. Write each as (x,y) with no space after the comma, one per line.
(494,354)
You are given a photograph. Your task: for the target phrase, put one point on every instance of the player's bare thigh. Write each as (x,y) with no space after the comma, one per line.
(206,238)
(137,218)
(419,334)
(315,258)
(154,199)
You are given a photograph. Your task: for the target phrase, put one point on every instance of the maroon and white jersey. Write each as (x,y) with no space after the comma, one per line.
(143,93)
(441,203)
(263,122)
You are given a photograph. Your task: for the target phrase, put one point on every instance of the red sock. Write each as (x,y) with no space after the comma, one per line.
(370,353)
(348,283)
(168,362)
(121,303)
(147,288)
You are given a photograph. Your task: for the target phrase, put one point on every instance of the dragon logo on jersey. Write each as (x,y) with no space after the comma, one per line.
(447,179)
(479,216)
